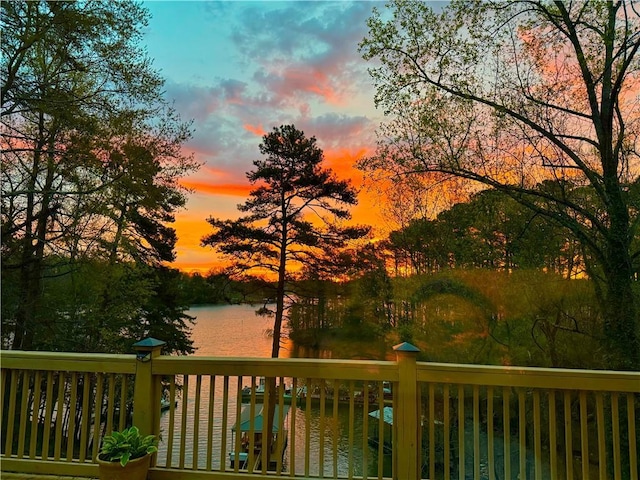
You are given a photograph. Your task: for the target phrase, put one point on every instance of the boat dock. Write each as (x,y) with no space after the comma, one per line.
(251,429)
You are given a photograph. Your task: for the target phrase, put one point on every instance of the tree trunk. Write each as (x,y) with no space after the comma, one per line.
(277,324)
(30,278)
(621,314)
(620,309)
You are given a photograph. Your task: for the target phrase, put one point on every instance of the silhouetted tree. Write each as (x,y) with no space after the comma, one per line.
(91,150)
(293,213)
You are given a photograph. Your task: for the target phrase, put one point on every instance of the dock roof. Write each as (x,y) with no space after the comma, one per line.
(387,415)
(247,424)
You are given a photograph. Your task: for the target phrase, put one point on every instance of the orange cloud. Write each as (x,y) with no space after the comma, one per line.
(342,161)
(212,171)
(322,87)
(259,131)
(238,190)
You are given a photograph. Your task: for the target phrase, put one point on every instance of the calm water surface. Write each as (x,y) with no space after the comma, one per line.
(236,331)
(231,331)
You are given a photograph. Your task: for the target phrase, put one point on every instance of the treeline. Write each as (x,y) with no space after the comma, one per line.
(94,306)
(218,287)
(491,231)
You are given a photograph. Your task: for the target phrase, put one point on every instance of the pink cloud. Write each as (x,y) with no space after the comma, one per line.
(289,81)
(312,81)
(213,171)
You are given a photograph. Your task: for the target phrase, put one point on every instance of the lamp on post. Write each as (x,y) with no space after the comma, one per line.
(145,347)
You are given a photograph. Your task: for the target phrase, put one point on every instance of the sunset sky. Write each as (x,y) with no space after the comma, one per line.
(240,68)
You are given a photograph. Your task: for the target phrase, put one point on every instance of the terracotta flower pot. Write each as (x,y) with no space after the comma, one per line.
(134,470)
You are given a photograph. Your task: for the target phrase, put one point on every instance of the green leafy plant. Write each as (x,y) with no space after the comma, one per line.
(127,445)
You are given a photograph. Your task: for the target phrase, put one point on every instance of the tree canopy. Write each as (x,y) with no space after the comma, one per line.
(535,99)
(91,151)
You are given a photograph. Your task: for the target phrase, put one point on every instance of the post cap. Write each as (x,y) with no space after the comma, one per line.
(406,347)
(148,344)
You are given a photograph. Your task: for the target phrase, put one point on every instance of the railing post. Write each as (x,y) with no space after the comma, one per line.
(146,404)
(406,401)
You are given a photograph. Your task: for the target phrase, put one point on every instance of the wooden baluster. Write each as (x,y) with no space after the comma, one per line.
(490,440)
(633,447)
(537,440)
(584,434)
(97,414)
(196,422)
(48,412)
(292,422)
(461,422)
(432,431)
(183,425)
(225,416)
(321,429)
(522,435)
(85,419)
(553,460)
(447,433)
(35,414)
(351,426)
(615,433)
(568,437)
(212,389)
(24,405)
(476,432)
(335,439)
(172,420)
(506,422)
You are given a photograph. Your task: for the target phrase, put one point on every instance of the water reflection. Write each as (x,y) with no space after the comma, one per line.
(232,331)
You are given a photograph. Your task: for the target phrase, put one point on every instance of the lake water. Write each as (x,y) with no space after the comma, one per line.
(236,331)
(231,331)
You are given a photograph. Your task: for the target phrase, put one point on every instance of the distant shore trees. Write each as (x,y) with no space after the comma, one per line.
(492,231)
(481,316)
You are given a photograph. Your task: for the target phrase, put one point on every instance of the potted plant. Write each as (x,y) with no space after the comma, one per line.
(126,455)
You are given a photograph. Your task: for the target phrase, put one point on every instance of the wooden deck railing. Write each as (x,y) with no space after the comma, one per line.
(332,419)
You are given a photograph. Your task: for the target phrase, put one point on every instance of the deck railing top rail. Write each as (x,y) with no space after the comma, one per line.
(489,375)
(265,367)
(67,362)
(531,377)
